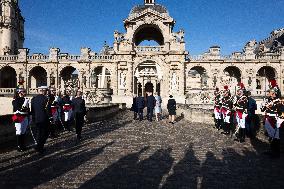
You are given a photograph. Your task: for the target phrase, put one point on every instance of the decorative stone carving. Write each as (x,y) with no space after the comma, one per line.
(53,54)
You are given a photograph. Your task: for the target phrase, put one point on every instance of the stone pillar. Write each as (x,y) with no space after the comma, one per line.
(53,54)
(182,79)
(129,79)
(114,79)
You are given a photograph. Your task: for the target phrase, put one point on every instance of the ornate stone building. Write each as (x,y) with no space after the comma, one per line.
(129,68)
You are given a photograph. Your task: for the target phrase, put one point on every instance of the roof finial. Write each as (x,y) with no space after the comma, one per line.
(149,2)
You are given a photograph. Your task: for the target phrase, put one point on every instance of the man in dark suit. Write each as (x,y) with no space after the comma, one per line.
(140,105)
(79,110)
(251,118)
(151,102)
(39,110)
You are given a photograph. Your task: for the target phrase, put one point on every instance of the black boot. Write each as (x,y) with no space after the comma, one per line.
(23,142)
(218,124)
(242,135)
(18,143)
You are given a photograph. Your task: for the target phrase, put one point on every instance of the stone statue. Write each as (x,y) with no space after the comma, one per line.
(118,37)
(122,80)
(179,36)
(174,81)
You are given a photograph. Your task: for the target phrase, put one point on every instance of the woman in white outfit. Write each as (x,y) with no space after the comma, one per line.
(158,107)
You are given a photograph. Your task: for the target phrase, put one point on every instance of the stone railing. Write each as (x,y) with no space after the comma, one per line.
(101,57)
(7,91)
(149,48)
(32,91)
(260,92)
(267,56)
(37,57)
(8,58)
(69,57)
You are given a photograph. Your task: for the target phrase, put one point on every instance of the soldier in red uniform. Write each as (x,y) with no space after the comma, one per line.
(21,117)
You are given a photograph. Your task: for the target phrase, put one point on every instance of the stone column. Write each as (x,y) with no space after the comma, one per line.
(129,79)
(182,79)
(114,79)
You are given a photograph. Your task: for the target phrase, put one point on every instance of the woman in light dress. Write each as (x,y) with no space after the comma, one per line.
(158,108)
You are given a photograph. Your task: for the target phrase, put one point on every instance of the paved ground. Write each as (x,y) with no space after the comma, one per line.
(121,153)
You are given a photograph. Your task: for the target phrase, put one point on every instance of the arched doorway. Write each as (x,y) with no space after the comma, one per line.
(37,77)
(8,77)
(197,77)
(147,78)
(231,77)
(69,78)
(263,76)
(101,78)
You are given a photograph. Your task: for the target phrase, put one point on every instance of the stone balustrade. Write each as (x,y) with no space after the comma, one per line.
(101,57)
(149,48)
(32,91)
(67,57)
(267,56)
(37,57)
(8,58)
(7,91)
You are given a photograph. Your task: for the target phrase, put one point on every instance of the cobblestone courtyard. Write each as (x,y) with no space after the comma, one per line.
(121,153)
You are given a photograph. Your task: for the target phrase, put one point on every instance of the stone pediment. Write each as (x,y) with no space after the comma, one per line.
(149,15)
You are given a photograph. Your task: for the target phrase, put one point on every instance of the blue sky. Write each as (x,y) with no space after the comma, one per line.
(72,24)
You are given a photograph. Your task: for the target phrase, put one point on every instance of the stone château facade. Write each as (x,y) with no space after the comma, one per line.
(128,68)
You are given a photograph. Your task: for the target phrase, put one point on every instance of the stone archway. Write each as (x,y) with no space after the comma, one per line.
(263,76)
(8,77)
(231,77)
(148,32)
(197,77)
(37,77)
(68,77)
(101,78)
(147,78)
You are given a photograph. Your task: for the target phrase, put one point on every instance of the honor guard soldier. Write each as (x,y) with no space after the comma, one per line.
(67,109)
(40,115)
(226,110)
(21,117)
(273,123)
(241,114)
(79,110)
(217,109)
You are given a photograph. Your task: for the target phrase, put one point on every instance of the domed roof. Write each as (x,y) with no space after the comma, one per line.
(156,7)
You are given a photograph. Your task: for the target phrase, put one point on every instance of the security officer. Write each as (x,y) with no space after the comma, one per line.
(40,116)
(79,110)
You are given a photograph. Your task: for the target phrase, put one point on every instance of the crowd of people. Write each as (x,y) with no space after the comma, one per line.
(50,112)
(153,105)
(236,115)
